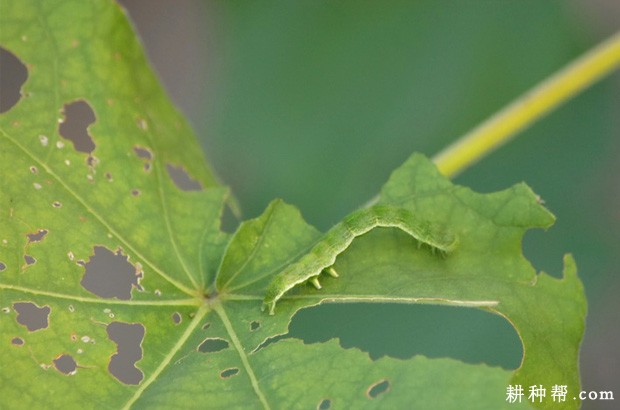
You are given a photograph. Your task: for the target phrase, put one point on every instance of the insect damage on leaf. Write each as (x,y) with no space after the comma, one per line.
(66,364)
(78,116)
(110,275)
(325,404)
(17,341)
(378,388)
(37,236)
(225,374)
(32,316)
(212,345)
(182,179)
(145,155)
(323,255)
(13,75)
(128,338)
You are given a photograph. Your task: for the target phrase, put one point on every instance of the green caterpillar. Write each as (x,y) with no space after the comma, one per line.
(323,255)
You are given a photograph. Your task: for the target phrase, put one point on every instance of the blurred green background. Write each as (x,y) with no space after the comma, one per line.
(317,102)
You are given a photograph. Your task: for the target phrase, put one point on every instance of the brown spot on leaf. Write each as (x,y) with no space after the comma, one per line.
(78,116)
(181,179)
(110,275)
(32,316)
(13,75)
(128,338)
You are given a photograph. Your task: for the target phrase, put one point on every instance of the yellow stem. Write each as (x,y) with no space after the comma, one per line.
(534,104)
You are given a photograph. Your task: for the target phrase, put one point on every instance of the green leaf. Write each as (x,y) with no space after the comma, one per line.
(135,206)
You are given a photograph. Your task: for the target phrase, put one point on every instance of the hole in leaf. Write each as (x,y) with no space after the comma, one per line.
(466,334)
(36,237)
(110,275)
(229,373)
(254,325)
(34,170)
(13,75)
(143,153)
(325,404)
(17,341)
(377,389)
(146,155)
(65,365)
(206,326)
(2,266)
(78,116)
(176,318)
(32,316)
(29,260)
(128,338)
(56,204)
(212,345)
(182,180)
(135,192)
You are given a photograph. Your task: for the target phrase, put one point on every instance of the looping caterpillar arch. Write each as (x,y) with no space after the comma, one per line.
(323,254)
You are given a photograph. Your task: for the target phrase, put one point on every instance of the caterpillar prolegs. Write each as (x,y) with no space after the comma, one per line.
(323,255)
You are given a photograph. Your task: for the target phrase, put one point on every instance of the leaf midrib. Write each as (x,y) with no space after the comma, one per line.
(219,309)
